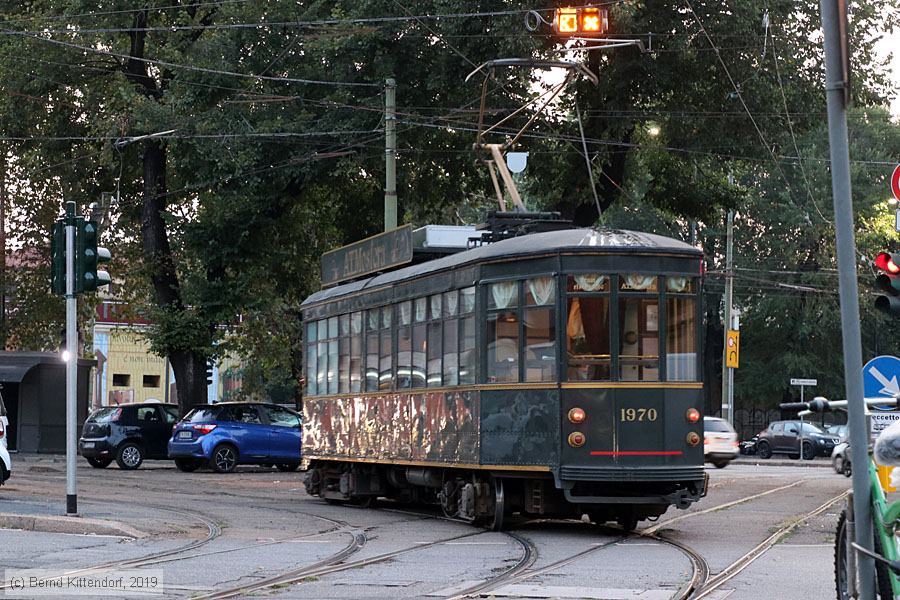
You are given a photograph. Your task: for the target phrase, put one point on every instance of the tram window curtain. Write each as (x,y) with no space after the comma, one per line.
(503,295)
(451,304)
(587,339)
(589,282)
(638,283)
(421,309)
(540,291)
(681,338)
(467,300)
(503,347)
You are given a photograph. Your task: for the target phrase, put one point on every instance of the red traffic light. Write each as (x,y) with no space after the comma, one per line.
(885,262)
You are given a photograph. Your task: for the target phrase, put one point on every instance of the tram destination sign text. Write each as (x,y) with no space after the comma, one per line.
(377,253)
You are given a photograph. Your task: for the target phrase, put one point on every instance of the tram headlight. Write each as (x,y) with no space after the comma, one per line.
(693,438)
(576,415)
(692,415)
(576,439)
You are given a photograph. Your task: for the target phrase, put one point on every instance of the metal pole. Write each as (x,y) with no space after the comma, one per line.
(166,391)
(726,380)
(736,326)
(390,154)
(846,254)
(71,364)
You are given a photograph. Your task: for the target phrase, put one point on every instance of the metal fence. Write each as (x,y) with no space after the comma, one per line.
(750,421)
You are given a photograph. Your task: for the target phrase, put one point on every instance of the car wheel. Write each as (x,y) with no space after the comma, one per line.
(848,470)
(720,464)
(99,463)
(764,450)
(186,465)
(224,458)
(287,467)
(809,452)
(129,456)
(838,464)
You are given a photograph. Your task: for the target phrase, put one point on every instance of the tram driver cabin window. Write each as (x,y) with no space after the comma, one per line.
(587,328)
(638,327)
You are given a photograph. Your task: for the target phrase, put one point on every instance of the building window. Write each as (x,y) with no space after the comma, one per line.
(121,380)
(151,381)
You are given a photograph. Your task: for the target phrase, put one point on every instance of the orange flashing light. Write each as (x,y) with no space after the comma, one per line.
(591,21)
(567,20)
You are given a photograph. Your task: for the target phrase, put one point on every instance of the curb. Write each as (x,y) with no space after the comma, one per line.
(74,525)
(759,462)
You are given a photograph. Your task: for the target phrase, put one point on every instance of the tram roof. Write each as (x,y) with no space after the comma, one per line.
(586,240)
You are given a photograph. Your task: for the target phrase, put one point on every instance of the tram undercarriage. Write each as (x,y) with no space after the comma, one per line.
(491,498)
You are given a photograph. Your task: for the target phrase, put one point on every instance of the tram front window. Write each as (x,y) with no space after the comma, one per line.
(638,329)
(587,328)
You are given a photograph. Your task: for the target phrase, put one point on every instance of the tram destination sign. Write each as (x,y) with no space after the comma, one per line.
(371,255)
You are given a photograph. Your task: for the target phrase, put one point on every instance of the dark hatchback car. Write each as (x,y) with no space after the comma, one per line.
(127,434)
(784,437)
(231,433)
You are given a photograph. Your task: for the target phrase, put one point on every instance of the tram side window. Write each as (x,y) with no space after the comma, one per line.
(385,366)
(404,345)
(435,344)
(587,328)
(467,352)
(356,351)
(503,332)
(451,338)
(420,315)
(539,318)
(311,329)
(681,329)
(344,354)
(638,328)
(373,318)
(332,372)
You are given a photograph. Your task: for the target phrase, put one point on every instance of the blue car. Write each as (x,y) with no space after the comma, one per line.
(231,433)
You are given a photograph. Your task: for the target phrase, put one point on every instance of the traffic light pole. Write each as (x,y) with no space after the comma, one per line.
(835,86)
(71,364)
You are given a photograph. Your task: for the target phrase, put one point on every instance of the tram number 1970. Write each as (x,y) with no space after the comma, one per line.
(638,414)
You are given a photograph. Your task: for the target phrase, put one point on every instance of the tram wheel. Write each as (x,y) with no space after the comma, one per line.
(495,523)
(627,520)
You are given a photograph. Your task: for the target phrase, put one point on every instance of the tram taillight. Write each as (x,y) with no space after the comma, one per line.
(692,415)
(576,439)
(576,415)
(693,438)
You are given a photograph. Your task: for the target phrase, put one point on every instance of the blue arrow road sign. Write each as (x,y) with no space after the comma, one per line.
(880,378)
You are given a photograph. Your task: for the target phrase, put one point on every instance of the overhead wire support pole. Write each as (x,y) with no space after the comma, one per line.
(390,154)
(836,88)
(729,298)
(71,364)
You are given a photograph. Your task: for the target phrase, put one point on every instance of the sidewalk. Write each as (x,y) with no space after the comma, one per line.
(782,461)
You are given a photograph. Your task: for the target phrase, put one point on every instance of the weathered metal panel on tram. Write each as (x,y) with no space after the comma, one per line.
(520,427)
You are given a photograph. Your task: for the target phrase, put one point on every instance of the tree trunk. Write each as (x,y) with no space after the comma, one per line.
(189,367)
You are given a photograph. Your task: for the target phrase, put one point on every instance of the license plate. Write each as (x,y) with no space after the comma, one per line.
(184,435)
(89,444)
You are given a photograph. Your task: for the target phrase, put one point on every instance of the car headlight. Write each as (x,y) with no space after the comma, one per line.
(821,441)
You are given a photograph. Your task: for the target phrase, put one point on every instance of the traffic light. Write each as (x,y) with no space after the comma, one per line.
(888,282)
(209,372)
(58,259)
(88,256)
(585,21)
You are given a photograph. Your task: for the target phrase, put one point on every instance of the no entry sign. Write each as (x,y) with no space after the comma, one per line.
(895,182)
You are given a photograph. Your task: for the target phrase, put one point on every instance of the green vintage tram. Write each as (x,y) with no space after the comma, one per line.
(550,374)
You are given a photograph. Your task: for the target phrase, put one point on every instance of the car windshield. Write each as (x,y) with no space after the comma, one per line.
(837,429)
(105,415)
(809,428)
(201,415)
(717,425)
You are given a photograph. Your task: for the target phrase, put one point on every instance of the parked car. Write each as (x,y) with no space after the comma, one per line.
(128,434)
(841,431)
(840,459)
(5,460)
(749,446)
(720,445)
(784,437)
(231,433)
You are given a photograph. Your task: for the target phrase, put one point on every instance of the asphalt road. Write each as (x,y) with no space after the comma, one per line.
(207,532)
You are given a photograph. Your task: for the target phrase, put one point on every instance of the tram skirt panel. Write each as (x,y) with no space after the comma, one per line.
(520,427)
